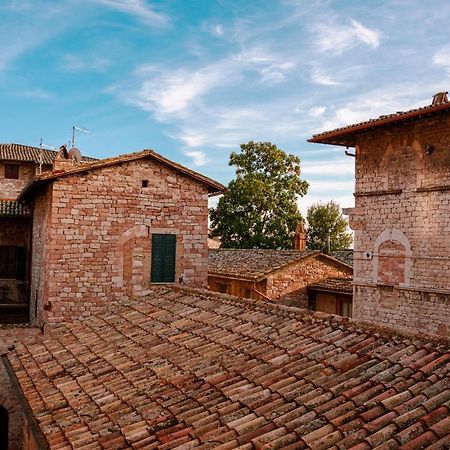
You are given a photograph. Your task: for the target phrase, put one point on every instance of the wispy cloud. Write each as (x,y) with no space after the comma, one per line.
(138,8)
(442,57)
(336,38)
(319,77)
(198,157)
(78,63)
(36,93)
(317,111)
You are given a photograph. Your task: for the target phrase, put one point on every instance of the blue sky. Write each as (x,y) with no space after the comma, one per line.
(194,79)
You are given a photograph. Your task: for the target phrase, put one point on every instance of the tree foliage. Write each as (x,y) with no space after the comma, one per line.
(326,221)
(259,209)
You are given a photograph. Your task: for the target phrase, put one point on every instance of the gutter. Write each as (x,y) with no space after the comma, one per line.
(41,441)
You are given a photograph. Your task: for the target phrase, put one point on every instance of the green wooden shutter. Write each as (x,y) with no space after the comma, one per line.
(163,258)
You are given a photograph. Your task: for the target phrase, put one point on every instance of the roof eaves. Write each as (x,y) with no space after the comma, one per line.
(214,187)
(336,136)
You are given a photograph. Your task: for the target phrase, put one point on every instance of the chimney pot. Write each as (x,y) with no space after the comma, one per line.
(440,97)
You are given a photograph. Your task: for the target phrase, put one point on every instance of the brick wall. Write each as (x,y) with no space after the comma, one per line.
(92,236)
(9,188)
(402,224)
(9,334)
(289,285)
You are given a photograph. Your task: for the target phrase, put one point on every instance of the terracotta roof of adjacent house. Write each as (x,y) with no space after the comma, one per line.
(346,256)
(253,264)
(346,136)
(333,285)
(184,369)
(10,208)
(214,187)
(19,152)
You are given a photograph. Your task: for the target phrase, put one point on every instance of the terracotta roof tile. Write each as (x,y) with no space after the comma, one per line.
(191,369)
(344,285)
(253,264)
(19,152)
(214,187)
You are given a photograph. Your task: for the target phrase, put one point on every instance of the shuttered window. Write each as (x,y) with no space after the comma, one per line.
(12,171)
(12,262)
(163,258)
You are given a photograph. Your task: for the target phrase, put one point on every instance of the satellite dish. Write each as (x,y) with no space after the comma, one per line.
(75,155)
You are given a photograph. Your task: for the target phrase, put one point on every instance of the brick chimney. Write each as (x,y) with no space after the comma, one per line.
(299,241)
(63,160)
(440,97)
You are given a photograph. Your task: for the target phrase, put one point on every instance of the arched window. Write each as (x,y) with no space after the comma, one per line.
(392,258)
(3,428)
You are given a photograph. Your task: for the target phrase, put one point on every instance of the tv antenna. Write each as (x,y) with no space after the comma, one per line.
(41,157)
(74,128)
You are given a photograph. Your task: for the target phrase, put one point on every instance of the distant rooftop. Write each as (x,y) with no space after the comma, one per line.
(185,369)
(346,136)
(252,263)
(346,256)
(19,152)
(344,285)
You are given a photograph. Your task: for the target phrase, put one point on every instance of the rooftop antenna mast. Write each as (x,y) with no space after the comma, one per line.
(74,128)
(41,157)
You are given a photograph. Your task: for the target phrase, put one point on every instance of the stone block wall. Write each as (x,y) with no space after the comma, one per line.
(10,188)
(402,226)
(289,285)
(92,236)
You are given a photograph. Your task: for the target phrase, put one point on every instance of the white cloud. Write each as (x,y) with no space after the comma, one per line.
(219,30)
(192,140)
(317,111)
(138,8)
(75,63)
(336,38)
(37,93)
(442,57)
(340,167)
(167,92)
(276,73)
(198,157)
(318,77)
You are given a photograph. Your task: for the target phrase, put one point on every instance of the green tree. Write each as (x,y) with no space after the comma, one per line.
(326,224)
(259,209)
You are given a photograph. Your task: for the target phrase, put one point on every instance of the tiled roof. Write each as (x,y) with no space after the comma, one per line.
(346,256)
(334,285)
(214,187)
(253,264)
(185,369)
(346,135)
(11,208)
(19,152)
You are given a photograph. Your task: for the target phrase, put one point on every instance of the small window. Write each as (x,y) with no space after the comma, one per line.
(3,428)
(163,258)
(144,183)
(13,262)
(222,288)
(12,171)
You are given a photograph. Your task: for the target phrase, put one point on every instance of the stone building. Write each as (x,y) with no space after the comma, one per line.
(401,217)
(332,296)
(276,275)
(90,233)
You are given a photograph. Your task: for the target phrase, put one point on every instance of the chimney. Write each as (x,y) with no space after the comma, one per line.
(440,97)
(66,160)
(299,241)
